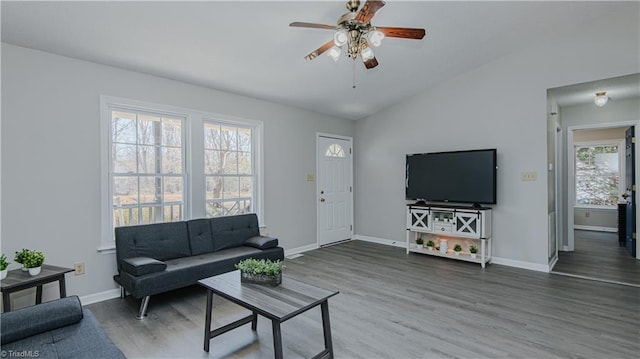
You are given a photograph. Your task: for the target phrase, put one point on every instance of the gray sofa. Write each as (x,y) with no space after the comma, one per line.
(55,329)
(157,258)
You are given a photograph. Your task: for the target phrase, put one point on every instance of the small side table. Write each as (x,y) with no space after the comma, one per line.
(18,279)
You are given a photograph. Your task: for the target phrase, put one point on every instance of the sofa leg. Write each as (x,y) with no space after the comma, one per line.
(143,308)
(123,292)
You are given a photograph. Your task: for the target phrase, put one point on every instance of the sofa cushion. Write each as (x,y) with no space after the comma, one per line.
(142,265)
(262,242)
(233,231)
(19,324)
(161,241)
(200,237)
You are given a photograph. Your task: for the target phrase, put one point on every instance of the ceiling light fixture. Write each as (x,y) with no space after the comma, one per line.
(601,98)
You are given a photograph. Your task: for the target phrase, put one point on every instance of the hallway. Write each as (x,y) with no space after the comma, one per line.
(598,256)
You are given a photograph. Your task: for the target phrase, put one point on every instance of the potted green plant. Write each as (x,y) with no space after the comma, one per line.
(419,242)
(430,245)
(20,256)
(457,248)
(33,261)
(3,266)
(473,250)
(260,271)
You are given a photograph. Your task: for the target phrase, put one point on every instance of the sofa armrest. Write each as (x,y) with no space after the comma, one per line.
(138,266)
(40,318)
(262,242)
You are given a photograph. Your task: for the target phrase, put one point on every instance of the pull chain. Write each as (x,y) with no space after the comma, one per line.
(354,75)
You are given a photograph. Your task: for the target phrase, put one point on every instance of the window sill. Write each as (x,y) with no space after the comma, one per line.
(601,208)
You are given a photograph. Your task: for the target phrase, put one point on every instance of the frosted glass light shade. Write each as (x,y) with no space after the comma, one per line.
(334,53)
(366,53)
(375,38)
(601,99)
(340,38)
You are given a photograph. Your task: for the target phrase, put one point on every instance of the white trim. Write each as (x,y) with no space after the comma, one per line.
(595,228)
(388,242)
(521,264)
(553,262)
(100,297)
(298,250)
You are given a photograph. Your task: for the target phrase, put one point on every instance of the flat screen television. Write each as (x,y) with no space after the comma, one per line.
(452,177)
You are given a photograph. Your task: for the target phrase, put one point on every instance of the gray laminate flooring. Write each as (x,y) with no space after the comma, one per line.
(394,305)
(598,256)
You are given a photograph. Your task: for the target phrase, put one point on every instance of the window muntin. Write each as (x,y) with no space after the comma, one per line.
(147,162)
(599,173)
(230,176)
(335,150)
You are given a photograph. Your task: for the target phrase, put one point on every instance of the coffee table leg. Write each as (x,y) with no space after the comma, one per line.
(6,301)
(326,327)
(277,339)
(63,288)
(207,322)
(254,322)
(39,294)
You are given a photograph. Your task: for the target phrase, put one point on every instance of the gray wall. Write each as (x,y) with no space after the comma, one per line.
(51,157)
(503,105)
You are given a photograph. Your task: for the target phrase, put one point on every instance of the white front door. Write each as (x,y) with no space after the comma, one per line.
(334,191)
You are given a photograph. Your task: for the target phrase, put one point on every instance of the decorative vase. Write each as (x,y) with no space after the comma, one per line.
(457,254)
(272,280)
(34,271)
(24,269)
(443,246)
(474,255)
(3,274)
(420,246)
(430,249)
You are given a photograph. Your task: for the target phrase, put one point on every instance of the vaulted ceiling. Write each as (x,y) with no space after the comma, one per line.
(247,47)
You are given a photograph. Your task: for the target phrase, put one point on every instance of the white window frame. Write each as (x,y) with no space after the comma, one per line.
(621,166)
(194,186)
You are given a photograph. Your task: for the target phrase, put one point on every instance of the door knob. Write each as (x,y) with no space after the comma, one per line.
(322,199)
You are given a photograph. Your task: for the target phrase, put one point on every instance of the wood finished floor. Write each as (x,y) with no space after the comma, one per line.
(597,255)
(394,305)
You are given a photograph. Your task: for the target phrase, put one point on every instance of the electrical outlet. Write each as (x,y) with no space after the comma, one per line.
(79,268)
(529,176)
(310,178)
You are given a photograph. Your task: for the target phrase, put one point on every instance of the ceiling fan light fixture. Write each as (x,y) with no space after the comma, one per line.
(375,37)
(334,53)
(601,98)
(340,38)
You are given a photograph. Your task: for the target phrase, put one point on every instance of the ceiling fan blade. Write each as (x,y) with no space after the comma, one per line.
(319,51)
(371,63)
(402,32)
(368,10)
(312,25)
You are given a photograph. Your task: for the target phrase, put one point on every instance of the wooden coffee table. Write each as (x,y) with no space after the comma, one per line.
(18,279)
(278,304)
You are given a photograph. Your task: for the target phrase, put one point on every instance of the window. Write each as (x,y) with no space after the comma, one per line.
(599,173)
(147,167)
(229,171)
(335,150)
(162,164)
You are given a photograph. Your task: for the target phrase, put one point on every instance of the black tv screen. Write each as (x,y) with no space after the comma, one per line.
(458,177)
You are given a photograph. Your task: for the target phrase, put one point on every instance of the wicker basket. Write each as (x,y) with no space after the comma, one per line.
(272,280)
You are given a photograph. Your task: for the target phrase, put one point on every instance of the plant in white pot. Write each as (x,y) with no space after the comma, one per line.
(20,256)
(430,245)
(3,266)
(33,261)
(473,250)
(457,248)
(420,242)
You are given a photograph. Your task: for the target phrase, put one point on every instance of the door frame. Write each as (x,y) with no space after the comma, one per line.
(571,177)
(317,194)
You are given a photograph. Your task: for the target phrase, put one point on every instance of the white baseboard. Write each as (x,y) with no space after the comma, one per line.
(521,264)
(595,228)
(388,242)
(99,297)
(310,247)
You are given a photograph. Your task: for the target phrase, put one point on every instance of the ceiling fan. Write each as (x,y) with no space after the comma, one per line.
(354,30)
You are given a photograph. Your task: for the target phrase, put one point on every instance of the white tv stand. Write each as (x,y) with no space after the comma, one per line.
(447,226)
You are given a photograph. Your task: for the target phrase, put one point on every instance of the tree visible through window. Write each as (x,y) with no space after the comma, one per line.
(598,174)
(229,169)
(147,167)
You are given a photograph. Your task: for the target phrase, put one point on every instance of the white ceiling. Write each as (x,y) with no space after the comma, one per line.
(248,48)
